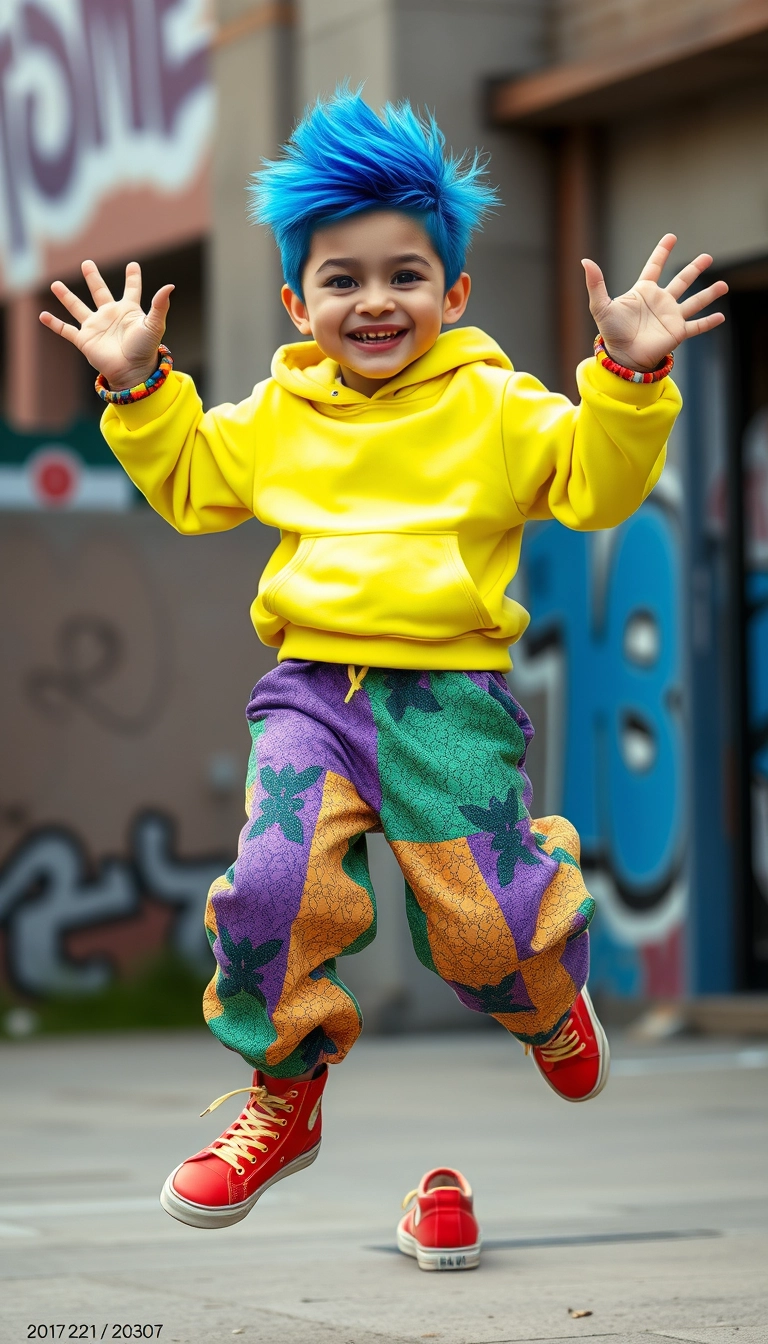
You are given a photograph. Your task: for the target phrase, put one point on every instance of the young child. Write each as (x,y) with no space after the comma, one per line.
(400,466)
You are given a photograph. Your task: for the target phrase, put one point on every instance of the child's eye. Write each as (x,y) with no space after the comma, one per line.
(341,282)
(405,278)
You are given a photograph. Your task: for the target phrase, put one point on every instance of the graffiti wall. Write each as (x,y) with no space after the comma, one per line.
(604,656)
(126,662)
(70,925)
(96,96)
(70,469)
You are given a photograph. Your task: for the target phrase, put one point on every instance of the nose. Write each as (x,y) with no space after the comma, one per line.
(374,301)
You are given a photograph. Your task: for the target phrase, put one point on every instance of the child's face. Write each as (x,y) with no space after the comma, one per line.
(374,296)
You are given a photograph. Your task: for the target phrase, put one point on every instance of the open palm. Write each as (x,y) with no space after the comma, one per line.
(645,324)
(118,338)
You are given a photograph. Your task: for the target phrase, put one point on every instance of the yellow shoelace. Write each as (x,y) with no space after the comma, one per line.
(250,1129)
(563,1046)
(356,680)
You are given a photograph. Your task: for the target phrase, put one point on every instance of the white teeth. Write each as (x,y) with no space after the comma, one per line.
(372,337)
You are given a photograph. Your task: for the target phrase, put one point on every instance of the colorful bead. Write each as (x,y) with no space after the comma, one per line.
(127,395)
(632,375)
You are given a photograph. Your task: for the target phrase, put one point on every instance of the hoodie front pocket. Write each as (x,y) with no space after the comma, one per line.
(409,585)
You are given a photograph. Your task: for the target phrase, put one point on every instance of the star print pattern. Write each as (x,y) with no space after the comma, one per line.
(502,821)
(316,1047)
(405,690)
(498,998)
(243,959)
(281,804)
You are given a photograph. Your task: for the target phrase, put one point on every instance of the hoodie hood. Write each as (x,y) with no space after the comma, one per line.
(301,368)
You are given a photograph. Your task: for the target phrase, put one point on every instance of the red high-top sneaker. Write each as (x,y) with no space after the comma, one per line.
(576,1062)
(277,1133)
(440,1229)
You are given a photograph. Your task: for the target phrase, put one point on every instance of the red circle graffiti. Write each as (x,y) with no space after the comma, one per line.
(55,476)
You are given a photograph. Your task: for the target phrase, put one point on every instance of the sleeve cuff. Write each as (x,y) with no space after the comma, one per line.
(592,376)
(140,413)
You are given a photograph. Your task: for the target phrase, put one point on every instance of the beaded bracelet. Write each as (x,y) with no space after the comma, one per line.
(632,375)
(127,395)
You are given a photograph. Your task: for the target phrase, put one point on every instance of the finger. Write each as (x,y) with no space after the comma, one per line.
(155,319)
(74,306)
(100,291)
(599,298)
(680,282)
(700,300)
(60,328)
(132,289)
(658,258)
(702,324)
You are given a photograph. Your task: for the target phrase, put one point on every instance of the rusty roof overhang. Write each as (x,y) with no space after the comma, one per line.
(727,50)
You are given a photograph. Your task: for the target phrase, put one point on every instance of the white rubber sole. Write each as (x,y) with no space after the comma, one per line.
(605,1056)
(458,1257)
(202,1215)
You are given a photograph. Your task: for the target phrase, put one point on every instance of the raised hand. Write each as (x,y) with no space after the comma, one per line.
(118,338)
(642,326)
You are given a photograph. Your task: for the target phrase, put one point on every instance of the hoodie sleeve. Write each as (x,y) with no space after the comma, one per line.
(195,468)
(590,466)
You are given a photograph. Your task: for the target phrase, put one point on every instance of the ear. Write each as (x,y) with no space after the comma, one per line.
(457,299)
(296,309)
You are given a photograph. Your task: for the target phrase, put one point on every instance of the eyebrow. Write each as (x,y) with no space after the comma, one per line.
(347,263)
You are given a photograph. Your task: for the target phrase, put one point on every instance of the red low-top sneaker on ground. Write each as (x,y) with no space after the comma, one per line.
(440,1229)
(576,1062)
(277,1133)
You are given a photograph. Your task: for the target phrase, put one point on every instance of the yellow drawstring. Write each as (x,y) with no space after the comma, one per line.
(355,681)
(563,1045)
(251,1128)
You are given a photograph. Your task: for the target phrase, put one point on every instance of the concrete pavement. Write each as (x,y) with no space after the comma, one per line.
(646,1207)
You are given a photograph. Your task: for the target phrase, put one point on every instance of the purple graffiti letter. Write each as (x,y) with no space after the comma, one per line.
(8,164)
(51,172)
(113,26)
(177,80)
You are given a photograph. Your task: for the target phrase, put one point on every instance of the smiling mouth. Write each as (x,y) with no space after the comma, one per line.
(378,337)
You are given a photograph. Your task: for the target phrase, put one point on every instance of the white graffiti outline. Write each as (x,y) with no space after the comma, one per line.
(48,889)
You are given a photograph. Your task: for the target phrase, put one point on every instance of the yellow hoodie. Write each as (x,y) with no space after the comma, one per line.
(401,514)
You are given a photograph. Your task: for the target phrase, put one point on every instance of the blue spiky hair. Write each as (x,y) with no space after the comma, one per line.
(343,159)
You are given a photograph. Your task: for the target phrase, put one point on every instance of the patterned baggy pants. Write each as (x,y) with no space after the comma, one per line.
(495,901)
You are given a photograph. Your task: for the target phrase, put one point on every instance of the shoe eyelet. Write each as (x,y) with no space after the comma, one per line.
(240,1171)
(293,1093)
(290,1108)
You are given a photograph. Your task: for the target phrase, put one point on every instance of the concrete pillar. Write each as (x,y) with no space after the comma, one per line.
(253,72)
(441,54)
(339,40)
(576,238)
(43,374)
